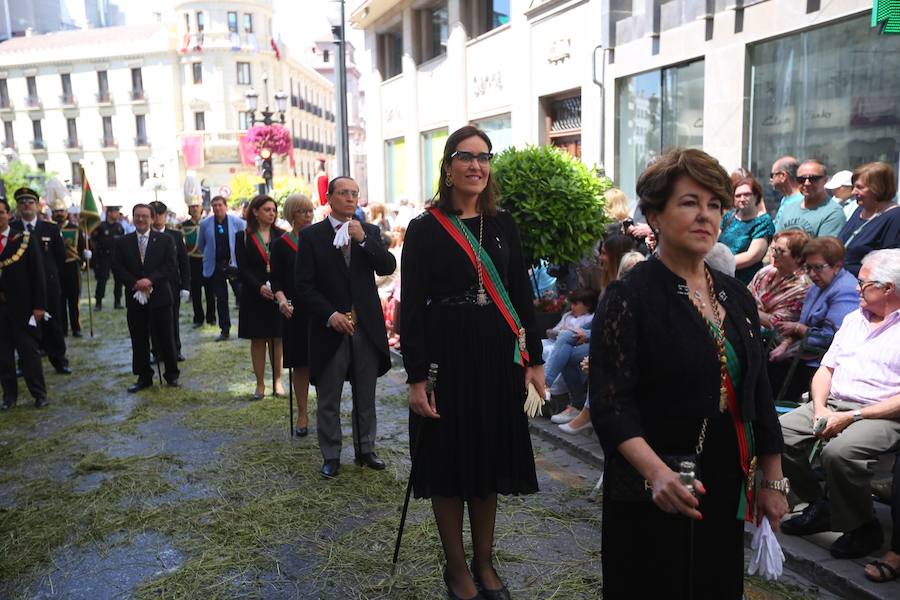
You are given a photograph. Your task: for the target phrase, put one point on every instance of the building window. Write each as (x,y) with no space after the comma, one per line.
(656,111)
(245,120)
(248,23)
(839,103)
(144,168)
(140,129)
(108,139)
(433,31)
(197,71)
(76,174)
(390,52)
(499,129)
(4,94)
(326,55)
(66,81)
(38,132)
(42,167)
(137,84)
(32,99)
(232,22)
(432,152)
(111,173)
(243,73)
(395,169)
(201,21)
(484,15)
(102,87)
(72,132)
(8,140)
(199,121)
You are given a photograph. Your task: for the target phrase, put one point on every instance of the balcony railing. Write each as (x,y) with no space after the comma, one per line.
(104,97)
(141,140)
(67,100)
(9,144)
(72,143)
(38,145)
(33,102)
(138,95)
(108,142)
(5,104)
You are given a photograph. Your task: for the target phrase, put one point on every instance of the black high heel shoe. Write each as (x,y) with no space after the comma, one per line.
(453,596)
(488,594)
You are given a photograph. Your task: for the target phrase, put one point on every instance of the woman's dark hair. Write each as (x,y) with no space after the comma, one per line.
(252,222)
(616,247)
(443,199)
(755,188)
(829,248)
(654,186)
(796,239)
(585,296)
(880,178)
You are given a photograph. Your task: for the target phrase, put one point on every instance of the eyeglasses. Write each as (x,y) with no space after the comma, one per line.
(863,284)
(345,193)
(809,178)
(774,173)
(306,211)
(778,251)
(483,158)
(816,268)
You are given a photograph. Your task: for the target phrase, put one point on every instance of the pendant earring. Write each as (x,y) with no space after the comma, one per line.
(447,181)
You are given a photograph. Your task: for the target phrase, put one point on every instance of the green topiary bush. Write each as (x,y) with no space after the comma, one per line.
(556,200)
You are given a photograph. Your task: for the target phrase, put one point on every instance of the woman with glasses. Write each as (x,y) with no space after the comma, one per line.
(780,287)
(298,211)
(258,319)
(832,297)
(875,225)
(746,230)
(468,329)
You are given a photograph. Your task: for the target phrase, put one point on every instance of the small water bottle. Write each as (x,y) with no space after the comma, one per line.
(686,475)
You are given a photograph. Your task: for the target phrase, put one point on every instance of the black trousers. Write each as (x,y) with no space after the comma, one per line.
(102,269)
(217,289)
(799,383)
(52,339)
(17,336)
(895,506)
(71,285)
(176,317)
(144,321)
(197,289)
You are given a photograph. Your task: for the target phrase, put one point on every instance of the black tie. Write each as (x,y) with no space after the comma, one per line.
(30,228)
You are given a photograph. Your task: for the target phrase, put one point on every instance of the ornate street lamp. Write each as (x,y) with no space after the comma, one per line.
(338,31)
(266,119)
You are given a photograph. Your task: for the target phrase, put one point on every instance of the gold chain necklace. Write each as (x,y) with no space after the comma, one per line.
(717,331)
(23,246)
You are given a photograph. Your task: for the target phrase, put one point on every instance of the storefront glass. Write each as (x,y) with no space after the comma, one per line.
(395,169)
(499,129)
(830,93)
(432,150)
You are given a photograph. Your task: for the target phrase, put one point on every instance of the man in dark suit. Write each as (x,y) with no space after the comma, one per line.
(53,251)
(145,262)
(103,239)
(181,284)
(23,297)
(191,231)
(336,284)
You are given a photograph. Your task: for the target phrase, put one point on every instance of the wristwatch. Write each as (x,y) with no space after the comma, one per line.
(857,416)
(779,485)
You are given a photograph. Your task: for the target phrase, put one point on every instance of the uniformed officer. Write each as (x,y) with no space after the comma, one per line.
(76,253)
(190,229)
(53,252)
(103,239)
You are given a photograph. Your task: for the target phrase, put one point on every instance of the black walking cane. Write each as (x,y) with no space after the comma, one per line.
(357,443)
(429,390)
(272,361)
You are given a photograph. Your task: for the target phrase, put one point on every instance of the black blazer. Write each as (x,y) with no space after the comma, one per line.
(250,263)
(182,280)
(159,266)
(51,245)
(23,281)
(325,285)
(654,367)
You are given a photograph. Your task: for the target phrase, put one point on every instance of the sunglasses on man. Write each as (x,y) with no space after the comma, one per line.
(809,178)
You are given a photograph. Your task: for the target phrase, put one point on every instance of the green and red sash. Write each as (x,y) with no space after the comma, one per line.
(262,248)
(291,240)
(492,282)
(745,436)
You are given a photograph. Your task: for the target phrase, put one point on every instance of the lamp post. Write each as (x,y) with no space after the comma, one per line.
(280,106)
(338,30)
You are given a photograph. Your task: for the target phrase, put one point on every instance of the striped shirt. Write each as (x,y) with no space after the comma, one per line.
(866,361)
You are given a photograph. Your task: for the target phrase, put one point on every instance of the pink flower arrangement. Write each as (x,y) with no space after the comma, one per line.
(550,302)
(275,138)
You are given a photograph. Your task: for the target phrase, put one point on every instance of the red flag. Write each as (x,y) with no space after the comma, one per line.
(275,48)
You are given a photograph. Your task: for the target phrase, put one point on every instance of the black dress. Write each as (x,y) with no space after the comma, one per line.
(295,331)
(481,444)
(655,374)
(258,318)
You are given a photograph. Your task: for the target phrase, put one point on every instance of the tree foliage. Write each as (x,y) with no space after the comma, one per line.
(243,187)
(19,174)
(556,201)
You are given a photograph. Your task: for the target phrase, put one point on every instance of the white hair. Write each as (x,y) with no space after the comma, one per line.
(629,259)
(884,266)
(721,259)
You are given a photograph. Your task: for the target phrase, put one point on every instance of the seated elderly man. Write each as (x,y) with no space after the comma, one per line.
(857,391)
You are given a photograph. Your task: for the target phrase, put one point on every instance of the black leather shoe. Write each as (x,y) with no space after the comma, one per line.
(500,594)
(41,403)
(98,306)
(370,460)
(451,595)
(815,518)
(860,542)
(180,358)
(63,370)
(76,334)
(173,383)
(223,337)
(8,404)
(198,325)
(140,385)
(330,468)
(301,431)
(118,306)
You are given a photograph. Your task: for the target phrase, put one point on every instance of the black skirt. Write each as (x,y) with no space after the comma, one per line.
(295,340)
(258,318)
(481,444)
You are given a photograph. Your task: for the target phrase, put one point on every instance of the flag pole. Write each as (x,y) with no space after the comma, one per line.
(87,241)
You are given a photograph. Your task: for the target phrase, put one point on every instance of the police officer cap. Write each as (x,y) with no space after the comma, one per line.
(159,208)
(24,193)
(58,204)
(114,207)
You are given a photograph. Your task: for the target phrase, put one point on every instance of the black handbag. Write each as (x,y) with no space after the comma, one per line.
(625,484)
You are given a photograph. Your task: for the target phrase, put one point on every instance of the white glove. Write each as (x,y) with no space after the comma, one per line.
(533,401)
(87,254)
(766,557)
(141,297)
(185,295)
(342,237)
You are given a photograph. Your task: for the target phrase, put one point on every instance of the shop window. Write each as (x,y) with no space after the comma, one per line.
(499,129)
(432,151)
(395,169)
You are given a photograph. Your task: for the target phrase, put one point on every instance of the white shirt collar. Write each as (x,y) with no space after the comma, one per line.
(335,223)
(33,223)
(145,234)
(5,232)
